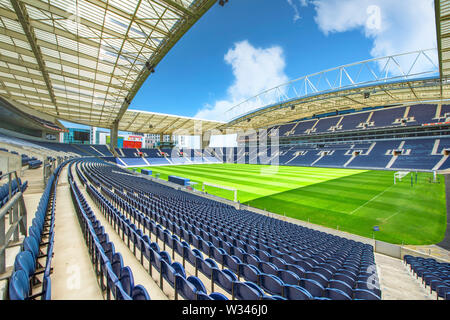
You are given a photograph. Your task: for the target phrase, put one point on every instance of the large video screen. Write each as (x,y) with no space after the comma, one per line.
(81,136)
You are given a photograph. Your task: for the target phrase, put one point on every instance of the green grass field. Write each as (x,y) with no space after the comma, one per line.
(352,200)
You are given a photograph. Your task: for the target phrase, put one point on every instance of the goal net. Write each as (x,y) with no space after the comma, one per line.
(399,175)
(220,191)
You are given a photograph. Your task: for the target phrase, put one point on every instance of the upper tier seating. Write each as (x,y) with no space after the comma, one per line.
(369,119)
(303,126)
(97,150)
(325,124)
(412,154)
(62,147)
(377,157)
(422,113)
(386,117)
(351,121)
(130,152)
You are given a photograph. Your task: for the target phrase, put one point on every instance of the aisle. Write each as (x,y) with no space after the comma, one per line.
(140,275)
(395,281)
(73,276)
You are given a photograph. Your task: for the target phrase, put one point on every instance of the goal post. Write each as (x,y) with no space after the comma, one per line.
(220,187)
(399,175)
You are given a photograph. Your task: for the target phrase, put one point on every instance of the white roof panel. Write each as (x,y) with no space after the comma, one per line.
(81,52)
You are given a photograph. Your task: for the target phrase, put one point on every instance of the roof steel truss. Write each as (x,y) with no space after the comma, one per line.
(85,60)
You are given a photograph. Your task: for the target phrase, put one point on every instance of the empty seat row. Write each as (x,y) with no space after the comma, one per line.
(434,274)
(32,267)
(16,185)
(116,280)
(246,273)
(173,273)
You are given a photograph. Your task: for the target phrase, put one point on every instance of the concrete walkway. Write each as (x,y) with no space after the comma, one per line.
(140,274)
(396,282)
(73,276)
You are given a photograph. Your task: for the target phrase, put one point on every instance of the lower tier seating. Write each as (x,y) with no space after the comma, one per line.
(435,275)
(247,255)
(32,267)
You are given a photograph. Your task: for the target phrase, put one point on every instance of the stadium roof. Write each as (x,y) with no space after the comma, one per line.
(151,122)
(405,78)
(442,8)
(84,61)
(414,77)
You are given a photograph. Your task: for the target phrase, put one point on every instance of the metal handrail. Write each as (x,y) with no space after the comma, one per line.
(17,215)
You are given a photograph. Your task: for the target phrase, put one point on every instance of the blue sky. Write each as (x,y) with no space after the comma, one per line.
(309,36)
(194,72)
(236,51)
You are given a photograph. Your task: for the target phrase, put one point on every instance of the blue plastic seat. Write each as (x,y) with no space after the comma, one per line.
(232,263)
(313,287)
(271,284)
(139,293)
(169,272)
(292,292)
(217,296)
(341,285)
(126,280)
(368,286)
(249,273)
(336,294)
(363,294)
(25,261)
(188,288)
(289,277)
(224,279)
(247,291)
(19,288)
(206,267)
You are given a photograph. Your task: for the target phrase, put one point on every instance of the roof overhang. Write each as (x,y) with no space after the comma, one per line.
(159,123)
(84,60)
(442,10)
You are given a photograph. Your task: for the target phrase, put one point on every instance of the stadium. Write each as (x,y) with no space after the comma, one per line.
(335,186)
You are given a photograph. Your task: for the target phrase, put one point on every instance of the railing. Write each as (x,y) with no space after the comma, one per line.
(13,219)
(49,168)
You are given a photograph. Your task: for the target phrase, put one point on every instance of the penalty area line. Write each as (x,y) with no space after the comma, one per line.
(375,197)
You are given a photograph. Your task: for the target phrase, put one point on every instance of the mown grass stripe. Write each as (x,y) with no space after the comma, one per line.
(354,200)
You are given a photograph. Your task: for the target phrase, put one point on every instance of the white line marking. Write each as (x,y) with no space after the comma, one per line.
(378,195)
(384,220)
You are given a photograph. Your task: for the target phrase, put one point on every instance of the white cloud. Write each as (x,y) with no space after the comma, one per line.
(304,3)
(255,70)
(296,12)
(394,26)
(293,4)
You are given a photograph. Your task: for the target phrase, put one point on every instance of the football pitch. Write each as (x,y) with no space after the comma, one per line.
(352,200)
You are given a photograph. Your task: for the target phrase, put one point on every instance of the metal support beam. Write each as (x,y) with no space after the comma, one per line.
(24,20)
(114,134)
(147,122)
(161,51)
(439,19)
(132,122)
(205,139)
(179,6)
